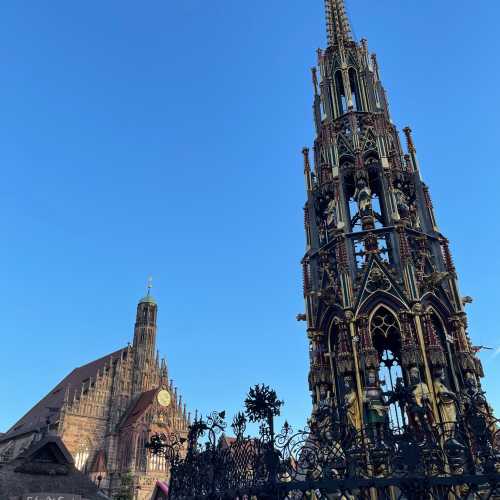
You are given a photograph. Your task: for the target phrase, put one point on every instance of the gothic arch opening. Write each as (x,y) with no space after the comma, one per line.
(142,455)
(340,93)
(374,190)
(337,343)
(385,333)
(354,84)
(439,328)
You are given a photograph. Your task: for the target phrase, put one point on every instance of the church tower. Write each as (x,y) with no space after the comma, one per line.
(144,345)
(380,287)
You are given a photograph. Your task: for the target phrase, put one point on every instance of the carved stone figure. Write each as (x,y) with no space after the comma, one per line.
(331,214)
(375,406)
(419,407)
(363,197)
(433,281)
(447,403)
(324,416)
(324,402)
(414,217)
(351,406)
(402,200)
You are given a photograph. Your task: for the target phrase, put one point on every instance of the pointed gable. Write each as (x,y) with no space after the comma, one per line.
(144,401)
(50,449)
(378,280)
(46,466)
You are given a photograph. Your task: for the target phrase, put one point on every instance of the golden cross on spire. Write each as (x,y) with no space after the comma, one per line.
(150,284)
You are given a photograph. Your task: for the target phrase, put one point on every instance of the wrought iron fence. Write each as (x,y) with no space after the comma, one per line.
(332,460)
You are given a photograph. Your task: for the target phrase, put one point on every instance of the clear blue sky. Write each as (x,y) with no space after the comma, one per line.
(164,138)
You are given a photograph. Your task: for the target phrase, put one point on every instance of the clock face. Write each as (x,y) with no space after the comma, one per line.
(163,398)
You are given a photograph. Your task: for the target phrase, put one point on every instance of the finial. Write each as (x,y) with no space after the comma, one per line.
(338,29)
(307,166)
(307,169)
(315,80)
(409,140)
(148,298)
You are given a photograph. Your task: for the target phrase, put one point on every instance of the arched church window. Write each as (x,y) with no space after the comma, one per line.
(141,458)
(82,456)
(386,338)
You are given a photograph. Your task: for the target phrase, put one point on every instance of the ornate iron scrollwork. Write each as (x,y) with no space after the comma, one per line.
(329,460)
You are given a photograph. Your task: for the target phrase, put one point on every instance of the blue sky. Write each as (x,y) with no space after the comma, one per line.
(164,138)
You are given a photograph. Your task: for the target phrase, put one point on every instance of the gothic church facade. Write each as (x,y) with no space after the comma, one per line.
(106,411)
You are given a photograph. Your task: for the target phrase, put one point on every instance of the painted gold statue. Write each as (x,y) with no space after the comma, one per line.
(351,405)
(419,408)
(363,197)
(447,403)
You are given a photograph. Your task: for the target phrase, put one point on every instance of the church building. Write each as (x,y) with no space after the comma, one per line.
(106,411)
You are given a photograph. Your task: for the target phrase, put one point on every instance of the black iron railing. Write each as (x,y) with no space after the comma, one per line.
(330,459)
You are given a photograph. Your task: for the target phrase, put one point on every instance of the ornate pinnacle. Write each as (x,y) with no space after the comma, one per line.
(338,29)
(315,80)
(307,166)
(307,169)
(409,140)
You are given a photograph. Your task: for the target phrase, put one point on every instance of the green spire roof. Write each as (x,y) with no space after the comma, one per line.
(148,299)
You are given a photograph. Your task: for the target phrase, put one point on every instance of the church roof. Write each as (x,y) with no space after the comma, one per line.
(48,408)
(144,401)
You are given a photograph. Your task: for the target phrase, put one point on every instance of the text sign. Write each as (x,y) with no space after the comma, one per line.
(51,496)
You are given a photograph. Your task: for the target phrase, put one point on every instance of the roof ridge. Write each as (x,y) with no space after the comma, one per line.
(49,406)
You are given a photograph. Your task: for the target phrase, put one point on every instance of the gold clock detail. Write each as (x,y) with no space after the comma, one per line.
(163,398)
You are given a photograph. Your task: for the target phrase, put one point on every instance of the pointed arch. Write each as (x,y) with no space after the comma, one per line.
(439,318)
(346,158)
(439,325)
(382,298)
(333,333)
(371,158)
(388,307)
(384,329)
(327,317)
(430,299)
